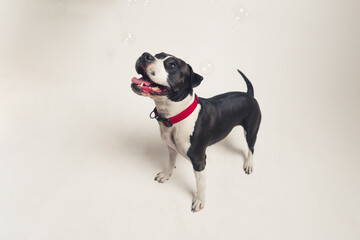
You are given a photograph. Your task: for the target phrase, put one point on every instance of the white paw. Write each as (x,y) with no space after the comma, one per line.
(162,177)
(197,204)
(248,166)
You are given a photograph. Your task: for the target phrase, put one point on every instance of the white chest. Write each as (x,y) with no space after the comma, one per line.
(178,136)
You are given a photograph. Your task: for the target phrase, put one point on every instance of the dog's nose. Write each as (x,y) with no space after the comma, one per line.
(148,57)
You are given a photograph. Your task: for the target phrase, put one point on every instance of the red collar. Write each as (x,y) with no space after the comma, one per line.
(168,122)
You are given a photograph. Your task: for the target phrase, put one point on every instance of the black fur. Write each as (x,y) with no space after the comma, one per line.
(250,88)
(218,116)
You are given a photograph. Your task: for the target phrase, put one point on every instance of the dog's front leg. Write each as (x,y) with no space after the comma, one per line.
(199,199)
(163,176)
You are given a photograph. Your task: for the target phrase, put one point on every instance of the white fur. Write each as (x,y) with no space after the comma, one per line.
(177,137)
(157,72)
(249,164)
(163,176)
(199,199)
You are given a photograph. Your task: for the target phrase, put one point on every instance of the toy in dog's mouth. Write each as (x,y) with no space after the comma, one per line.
(145,86)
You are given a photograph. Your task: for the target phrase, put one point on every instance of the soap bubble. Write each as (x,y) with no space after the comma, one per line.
(206,67)
(239,13)
(127,38)
(146,3)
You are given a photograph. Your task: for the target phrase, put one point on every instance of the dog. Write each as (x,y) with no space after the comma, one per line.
(189,124)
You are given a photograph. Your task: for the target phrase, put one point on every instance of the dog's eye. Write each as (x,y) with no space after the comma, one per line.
(172,65)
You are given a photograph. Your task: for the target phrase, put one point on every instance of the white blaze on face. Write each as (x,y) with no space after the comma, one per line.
(157,72)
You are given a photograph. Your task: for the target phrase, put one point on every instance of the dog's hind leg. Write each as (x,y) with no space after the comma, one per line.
(249,164)
(163,176)
(250,135)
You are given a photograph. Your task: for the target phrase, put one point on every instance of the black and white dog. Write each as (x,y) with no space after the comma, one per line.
(188,124)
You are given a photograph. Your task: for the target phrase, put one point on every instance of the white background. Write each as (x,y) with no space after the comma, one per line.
(78,152)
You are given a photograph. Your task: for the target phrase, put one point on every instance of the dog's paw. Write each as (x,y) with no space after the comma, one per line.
(249,166)
(197,204)
(162,177)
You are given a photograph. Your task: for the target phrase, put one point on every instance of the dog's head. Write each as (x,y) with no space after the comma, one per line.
(164,75)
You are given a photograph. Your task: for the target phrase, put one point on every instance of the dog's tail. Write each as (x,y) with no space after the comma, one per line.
(250,89)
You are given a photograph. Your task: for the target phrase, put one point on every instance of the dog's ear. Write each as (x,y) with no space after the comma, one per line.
(194,77)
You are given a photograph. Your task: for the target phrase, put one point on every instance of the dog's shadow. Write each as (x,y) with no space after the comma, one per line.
(152,149)
(145,147)
(229,145)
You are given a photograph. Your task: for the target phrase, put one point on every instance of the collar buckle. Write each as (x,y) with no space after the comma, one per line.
(165,121)
(154,115)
